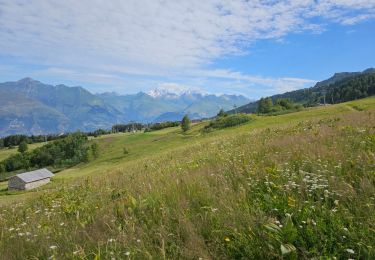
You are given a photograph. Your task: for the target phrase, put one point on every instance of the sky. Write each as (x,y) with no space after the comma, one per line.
(255,48)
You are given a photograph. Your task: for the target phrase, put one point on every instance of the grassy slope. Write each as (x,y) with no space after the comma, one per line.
(205,195)
(5,153)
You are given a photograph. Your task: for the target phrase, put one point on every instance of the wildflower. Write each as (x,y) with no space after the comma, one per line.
(53,247)
(291,202)
(11,229)
(138,241)
(62,224)
(345,229)
(21,234)
(227,239)
(351,251)
(111,240)
(127,253)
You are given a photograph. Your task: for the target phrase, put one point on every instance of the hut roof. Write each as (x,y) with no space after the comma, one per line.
(35,175)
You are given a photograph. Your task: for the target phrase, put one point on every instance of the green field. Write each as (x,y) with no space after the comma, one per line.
(299,185)
(6,152)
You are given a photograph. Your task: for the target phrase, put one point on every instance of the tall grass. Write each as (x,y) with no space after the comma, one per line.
(300,191)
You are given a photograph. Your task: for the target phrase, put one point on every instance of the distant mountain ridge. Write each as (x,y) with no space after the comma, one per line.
(326,91)
(31,107)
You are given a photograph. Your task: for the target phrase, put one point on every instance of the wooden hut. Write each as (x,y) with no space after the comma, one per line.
(30,180)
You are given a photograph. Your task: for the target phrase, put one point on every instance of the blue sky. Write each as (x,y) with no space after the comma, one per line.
(256,48)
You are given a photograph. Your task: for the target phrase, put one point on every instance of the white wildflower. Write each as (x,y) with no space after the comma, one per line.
(53,247)
(351,251)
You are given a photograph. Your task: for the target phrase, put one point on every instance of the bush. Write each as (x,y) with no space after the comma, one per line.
(22,147)
(2,168)
(159,126)
(228,121)
(281,106)
(95,150)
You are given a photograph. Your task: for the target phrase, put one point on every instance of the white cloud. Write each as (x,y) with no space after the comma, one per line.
(102,39)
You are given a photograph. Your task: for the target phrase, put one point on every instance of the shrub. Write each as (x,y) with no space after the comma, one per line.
(22,147)
(159,126)
(228,121)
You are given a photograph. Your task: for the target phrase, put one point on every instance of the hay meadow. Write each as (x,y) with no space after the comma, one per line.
(293,186)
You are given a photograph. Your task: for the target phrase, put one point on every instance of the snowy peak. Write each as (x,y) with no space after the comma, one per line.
(173,91)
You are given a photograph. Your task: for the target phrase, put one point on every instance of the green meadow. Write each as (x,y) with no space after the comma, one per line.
(298,185)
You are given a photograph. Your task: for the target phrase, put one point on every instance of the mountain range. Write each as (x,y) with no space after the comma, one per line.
(31,107)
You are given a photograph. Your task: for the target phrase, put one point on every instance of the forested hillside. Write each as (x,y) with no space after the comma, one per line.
(339,88)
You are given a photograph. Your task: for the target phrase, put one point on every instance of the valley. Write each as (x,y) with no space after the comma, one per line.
(31,107)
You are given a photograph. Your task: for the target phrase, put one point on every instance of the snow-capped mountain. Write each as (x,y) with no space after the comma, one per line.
(31,107)
(174,91)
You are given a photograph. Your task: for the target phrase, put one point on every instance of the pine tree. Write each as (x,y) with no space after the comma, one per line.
(222,113)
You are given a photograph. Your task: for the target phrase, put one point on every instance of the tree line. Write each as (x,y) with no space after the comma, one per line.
(15,140)
(124,128)
(65,152)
